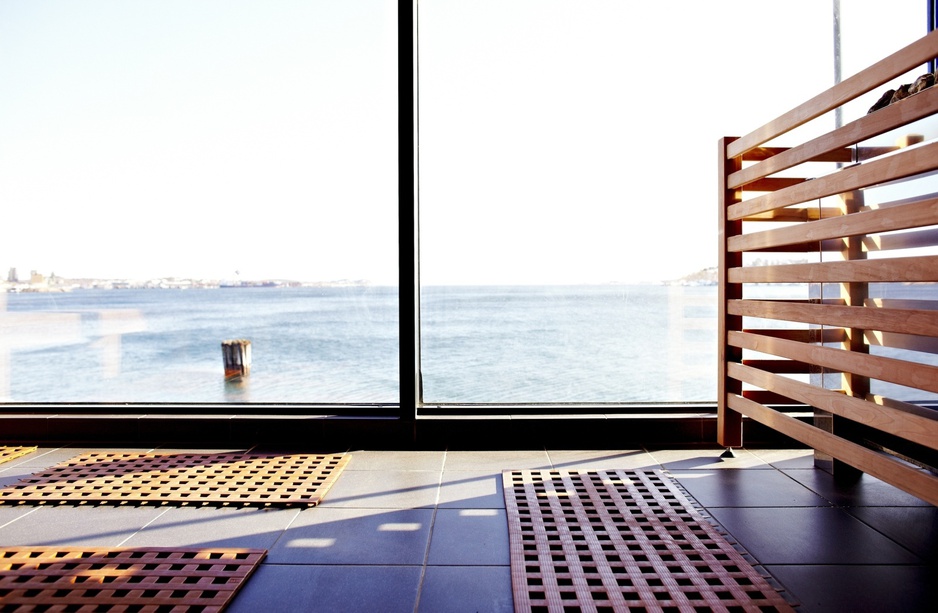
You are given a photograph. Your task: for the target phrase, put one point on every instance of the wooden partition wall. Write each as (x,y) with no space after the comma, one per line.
(829,263)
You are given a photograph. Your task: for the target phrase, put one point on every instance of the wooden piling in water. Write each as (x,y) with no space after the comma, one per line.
(237,358)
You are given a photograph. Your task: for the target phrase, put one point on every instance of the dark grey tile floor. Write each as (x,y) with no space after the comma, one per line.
(426,530)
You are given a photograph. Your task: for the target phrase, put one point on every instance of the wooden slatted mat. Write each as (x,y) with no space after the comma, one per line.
(123,580)
(246,479)
(11,453)
(620,540)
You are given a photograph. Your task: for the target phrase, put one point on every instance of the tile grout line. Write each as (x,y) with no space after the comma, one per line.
(143,527)
(426,553)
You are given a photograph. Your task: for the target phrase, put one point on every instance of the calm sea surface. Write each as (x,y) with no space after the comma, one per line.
(339,344)
(630,344)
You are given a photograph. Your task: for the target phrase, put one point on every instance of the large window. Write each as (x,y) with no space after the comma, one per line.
(177,174)
(180,173)
(567,187)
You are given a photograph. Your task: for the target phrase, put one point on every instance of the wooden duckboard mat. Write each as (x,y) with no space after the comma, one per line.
(11,453)
(123,580)
(246,479)
(618,540)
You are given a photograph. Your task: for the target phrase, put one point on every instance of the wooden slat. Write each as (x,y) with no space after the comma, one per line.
(760,154)
(891,370)
(901,406)
(764,397)
(906,163)
(917,54)
(898,270)
(904,303)
(868,153)
(907,342)
(912,479)
(826,335)
(913,427)
(916,239)
(795,214)
(915,215)
(773,184)
(783,366)
(905,321)
(912,108)
(831,246)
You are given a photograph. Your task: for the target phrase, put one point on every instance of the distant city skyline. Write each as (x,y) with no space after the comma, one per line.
(560,141)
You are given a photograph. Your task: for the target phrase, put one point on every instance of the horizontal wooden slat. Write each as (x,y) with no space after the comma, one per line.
(917,54)
(796,214)
(760,154)
(904,303)
(914,215)
(773,184)
(831,246)
(897,270)
(826,335)
(906,342)
(891,370)
(913,427)
(915,239)
(868,153)
(764,397)
(837,142)
(782,366)
(906,321)
(905,163)
(891,470)
(901,406)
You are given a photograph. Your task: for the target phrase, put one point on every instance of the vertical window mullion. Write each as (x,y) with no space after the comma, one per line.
(407,212)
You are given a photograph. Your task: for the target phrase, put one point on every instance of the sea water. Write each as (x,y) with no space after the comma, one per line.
(578,344)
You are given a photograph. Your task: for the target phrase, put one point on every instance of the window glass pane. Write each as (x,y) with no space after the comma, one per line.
(180,173)
(568,188)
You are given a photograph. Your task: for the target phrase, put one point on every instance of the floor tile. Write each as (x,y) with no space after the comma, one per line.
(746,488)
(458,589)
(868,491)
(471,490)
(355,536)
(915,528)
(251,528)
(822,535)
(496,460)
(11,513)
(401,522)
(598,460)
(102,526)
(385,489)
(396,460)
(705,459)
(329,589)
(786,458)
(469,537)
(47,457)
(860,589)
(11,475)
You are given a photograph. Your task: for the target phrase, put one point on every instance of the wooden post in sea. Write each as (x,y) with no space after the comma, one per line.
(237,356)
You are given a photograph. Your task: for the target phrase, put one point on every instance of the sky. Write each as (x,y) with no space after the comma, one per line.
(560,141)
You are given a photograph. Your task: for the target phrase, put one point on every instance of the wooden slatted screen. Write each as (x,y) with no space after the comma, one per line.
(829,276)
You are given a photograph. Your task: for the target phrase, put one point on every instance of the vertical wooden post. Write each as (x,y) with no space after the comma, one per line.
(853,294)
(729,422)
(237,358)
